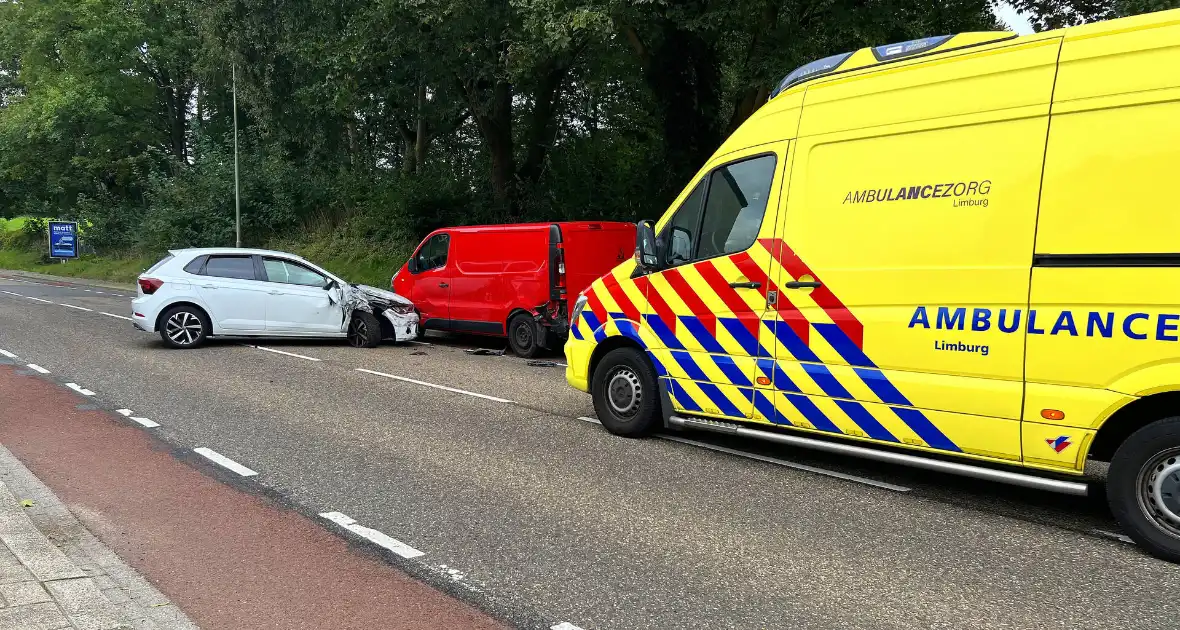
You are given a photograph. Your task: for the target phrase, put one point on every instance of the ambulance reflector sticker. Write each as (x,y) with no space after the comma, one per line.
(1059,443)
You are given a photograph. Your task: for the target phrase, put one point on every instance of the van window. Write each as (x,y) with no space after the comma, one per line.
(433,253)
(679,237)
(735,207)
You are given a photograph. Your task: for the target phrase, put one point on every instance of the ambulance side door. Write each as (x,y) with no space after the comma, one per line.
(907,245)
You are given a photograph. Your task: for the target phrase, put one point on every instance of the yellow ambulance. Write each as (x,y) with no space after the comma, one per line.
(960,253)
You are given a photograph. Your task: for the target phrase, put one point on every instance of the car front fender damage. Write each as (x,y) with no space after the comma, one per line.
(398,317)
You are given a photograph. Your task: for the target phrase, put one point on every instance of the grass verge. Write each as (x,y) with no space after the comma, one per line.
(121,270)
(355,260)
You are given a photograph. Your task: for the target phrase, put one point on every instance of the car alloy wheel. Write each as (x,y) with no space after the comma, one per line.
(183,328)
(359,332)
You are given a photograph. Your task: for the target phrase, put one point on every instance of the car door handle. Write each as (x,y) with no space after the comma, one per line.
(795,284)
(443,285)
(745,285)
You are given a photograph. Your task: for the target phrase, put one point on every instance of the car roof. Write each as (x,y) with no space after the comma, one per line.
(241,251)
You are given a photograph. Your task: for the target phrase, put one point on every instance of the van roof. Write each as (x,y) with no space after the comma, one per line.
(943,44)
(532,226)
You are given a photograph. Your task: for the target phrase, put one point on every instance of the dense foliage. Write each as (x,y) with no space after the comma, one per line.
(385,118)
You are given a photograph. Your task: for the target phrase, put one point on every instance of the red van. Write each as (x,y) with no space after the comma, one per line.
(515,280)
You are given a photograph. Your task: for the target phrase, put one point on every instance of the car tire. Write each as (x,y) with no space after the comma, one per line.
(624,389)
(523,336)
(1143,488)
(364,331)
(184,327)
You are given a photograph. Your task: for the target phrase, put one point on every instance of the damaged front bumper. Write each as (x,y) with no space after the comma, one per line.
(404,325)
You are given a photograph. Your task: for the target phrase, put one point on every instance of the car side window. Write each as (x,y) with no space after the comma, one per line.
(239,267)
(290,272)
(679,236)
(433,253)
(735,206)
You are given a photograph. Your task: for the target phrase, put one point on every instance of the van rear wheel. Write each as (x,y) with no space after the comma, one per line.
(523,336)
(1143,488)
(625,396)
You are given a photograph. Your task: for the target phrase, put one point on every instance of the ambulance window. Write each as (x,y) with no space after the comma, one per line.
(680,236)
(735,207)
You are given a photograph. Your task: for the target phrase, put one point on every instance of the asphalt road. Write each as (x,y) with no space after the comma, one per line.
(550,518)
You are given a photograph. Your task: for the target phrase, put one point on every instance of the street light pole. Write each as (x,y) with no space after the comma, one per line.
(237,198)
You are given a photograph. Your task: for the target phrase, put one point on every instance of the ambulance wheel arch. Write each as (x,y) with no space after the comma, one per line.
(1125,421)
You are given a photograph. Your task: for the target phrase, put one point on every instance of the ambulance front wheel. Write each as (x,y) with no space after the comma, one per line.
(624,390)
(1143,488)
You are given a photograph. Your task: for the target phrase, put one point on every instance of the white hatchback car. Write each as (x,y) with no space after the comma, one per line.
(193,294)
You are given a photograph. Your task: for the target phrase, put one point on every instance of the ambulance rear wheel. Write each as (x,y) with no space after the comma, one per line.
(1143,488)
(624,391)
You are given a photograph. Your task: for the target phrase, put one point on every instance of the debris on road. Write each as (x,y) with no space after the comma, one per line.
(485,352)
(544,364)
(418,353)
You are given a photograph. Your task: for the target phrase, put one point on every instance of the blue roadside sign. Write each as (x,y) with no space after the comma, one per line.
(63,239)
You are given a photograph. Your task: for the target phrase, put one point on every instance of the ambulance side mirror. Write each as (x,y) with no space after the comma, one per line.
(645,246)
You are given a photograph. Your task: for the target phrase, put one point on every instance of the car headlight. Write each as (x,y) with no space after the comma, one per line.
(401,309)
(578,306)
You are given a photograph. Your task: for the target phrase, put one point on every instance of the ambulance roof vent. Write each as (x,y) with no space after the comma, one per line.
(810,70)
(889,52)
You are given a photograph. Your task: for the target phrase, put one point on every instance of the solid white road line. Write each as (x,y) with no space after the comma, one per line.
(37,368)
(787,464)
(37,299)
(81,390)
(80,308)
(8,354)
(147,424)
(223,461)
(442,387)
(115,316)
(290,354)
(372,535)
(565,625)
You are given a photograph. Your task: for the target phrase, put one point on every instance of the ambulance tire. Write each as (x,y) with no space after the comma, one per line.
(1143,488)
(625,393)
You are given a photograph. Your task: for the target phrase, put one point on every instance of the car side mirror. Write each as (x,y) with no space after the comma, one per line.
(412,264)
(329,285)
(645,246)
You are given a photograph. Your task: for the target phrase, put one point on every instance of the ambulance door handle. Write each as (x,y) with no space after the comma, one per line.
(745,285)
(795,284)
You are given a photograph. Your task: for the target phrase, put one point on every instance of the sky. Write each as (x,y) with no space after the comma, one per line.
(1014,20)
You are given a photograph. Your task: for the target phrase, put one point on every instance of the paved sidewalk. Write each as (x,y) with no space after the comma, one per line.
(54,574)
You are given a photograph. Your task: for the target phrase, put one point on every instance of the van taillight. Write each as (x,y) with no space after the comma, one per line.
(149,285)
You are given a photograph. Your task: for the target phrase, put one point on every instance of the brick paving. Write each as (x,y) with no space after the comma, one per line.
(55,575)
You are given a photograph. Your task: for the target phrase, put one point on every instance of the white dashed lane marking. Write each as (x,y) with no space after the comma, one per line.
(11,293)
(7,354)
(36,299)
(81,390)
(372,535)
(38,368)
(442,387)
(289,354)
(115,316)
(147,424)
(223,461)
(80,308)
(565,625)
